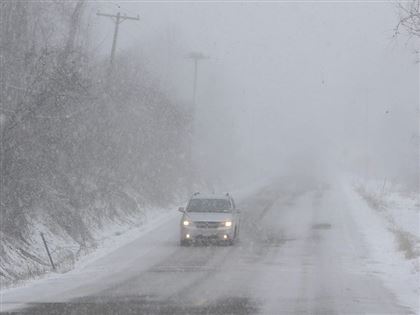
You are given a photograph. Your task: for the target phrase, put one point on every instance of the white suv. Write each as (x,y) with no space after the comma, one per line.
(209,217)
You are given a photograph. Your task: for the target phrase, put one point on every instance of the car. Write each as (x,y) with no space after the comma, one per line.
(210,218)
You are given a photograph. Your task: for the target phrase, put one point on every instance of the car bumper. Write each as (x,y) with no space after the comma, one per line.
(221,234)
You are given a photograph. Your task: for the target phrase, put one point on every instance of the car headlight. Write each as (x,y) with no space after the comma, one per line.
(186,223)
(228,223)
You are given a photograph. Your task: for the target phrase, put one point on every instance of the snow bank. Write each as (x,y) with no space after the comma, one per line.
(71,236)
(390,222)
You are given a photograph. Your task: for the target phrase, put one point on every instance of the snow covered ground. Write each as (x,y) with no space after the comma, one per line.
(390,222)
(311,250)
(106,238)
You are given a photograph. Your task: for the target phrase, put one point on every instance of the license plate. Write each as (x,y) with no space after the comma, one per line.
(207,233)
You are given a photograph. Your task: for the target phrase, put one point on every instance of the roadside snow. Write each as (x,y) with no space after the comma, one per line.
(107,239)
(383,221)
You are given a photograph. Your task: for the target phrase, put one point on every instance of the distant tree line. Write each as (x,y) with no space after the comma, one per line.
(72,133)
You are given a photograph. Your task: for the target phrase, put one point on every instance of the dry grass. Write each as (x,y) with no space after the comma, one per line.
(407,243)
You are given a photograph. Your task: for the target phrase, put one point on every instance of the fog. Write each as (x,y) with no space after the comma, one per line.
(324,83)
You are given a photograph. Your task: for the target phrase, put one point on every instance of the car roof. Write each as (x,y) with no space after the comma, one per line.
(211,196)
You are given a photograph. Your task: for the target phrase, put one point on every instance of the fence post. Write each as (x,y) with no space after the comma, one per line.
(48,251)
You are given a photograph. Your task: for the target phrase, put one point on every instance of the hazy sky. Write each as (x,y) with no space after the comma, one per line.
(312,81)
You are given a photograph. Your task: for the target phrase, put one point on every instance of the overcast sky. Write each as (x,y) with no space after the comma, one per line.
(317,82)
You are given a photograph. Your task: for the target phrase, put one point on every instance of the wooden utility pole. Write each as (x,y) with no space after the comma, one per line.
(118,19)
(195,57)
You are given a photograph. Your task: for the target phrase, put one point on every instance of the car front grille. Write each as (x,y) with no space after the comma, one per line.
(208,225)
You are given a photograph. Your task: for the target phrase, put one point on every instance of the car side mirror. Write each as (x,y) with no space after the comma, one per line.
(181,209)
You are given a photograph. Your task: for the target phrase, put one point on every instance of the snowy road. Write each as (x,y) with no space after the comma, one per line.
(301,252)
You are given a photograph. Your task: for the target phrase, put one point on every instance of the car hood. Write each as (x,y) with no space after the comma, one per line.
(208,216)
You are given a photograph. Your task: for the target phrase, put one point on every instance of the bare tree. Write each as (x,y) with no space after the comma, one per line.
(72,29)
(409,18)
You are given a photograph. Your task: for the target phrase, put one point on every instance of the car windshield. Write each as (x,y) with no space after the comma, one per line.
(209,205)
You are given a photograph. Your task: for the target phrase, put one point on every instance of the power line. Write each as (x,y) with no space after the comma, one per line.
(118,19)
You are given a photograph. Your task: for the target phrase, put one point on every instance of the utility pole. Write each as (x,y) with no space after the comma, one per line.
(196,57)
(118,19)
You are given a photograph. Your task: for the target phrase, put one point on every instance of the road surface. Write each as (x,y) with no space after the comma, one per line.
(300,252)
